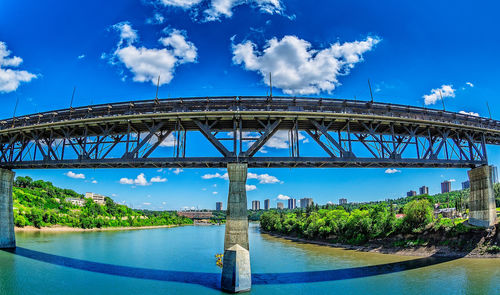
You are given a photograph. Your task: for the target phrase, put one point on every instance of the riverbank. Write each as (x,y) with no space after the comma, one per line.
(386,246)
(58,228)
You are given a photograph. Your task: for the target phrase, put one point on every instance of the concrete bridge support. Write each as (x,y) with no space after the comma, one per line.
(7,235)
(482,208)
(236,274)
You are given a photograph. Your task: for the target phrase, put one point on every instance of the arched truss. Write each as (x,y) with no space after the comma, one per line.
(346,134)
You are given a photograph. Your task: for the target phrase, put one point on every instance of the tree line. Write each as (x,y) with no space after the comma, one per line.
(40,203)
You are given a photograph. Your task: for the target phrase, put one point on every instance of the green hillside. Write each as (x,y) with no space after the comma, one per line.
(39,203)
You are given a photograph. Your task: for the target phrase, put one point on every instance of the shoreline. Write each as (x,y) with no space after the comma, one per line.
(420,251)
(60,228)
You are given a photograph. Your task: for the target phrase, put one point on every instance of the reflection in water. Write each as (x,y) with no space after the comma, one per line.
(212,280)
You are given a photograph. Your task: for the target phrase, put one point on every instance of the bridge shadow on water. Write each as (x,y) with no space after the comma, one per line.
(212,280)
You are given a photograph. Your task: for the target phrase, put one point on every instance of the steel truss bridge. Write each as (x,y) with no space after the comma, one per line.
(154,133)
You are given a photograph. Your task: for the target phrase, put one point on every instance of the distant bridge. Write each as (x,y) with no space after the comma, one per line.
(195,214)
(347,133)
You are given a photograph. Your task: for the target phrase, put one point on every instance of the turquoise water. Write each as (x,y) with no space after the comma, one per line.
(181,261)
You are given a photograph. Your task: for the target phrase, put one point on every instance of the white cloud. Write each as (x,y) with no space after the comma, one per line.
(11,79)
(435,95)
(280,140)
(181,3)
(250,187)
(157,19)
(71,174)
(469,113)
(214,193)
(164,203)
(282,197)
(219,8)
(147,204)
(177,171)
(147,63)
(452,180)
(81,56)
(263,178)
(296,67)
(469,84)
(216,175)
(94,181)
(392,171)
(139,180)
(158,179)
(215,9)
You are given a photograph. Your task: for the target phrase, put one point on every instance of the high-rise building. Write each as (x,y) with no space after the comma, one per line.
(267,204)
(306,202)
(494,176)
(279,205)
(411,193)
(445,186)
(292,203)
(255,205)
(218,206)
(466,184)
(423,190)
(342,201)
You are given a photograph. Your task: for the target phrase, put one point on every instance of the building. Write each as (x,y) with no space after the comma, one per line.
(280,205)
(445,186)
(218,206)
(99,199)
(306,202)
(292,203)
(423,190)
(267,204)
(494,176)
(446,212)
(76,201)
(255,205)
(342,201)
(411,193)
(466,184)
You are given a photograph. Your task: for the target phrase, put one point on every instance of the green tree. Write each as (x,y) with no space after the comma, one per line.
(418,214)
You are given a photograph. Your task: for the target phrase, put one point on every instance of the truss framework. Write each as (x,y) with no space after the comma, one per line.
(340,142)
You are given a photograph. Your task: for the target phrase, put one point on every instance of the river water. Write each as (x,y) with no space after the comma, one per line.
(181,261)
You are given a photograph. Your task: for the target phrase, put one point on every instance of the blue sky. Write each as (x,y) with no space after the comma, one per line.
(112,50)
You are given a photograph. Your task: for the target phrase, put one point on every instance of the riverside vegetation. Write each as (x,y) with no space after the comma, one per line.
(39,204)
(376,223)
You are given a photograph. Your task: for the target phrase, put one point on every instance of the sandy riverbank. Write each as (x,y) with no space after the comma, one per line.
(57,228)
(421,251)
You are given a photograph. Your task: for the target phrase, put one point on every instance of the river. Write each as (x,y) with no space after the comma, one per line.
(181,260)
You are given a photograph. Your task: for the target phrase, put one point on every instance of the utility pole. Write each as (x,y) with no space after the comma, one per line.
(489,111)
(370,86)
(270,85)
(157,88)
(72,97)
(442,100)
(15,109)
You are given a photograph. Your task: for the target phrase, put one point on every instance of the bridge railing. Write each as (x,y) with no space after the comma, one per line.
(251,103)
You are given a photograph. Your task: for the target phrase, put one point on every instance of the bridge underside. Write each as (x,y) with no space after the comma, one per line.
(254,162)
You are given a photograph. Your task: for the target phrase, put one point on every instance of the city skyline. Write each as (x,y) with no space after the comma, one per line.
(102,59)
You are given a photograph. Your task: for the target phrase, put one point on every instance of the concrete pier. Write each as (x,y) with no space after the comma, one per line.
(237,216)
(236,274)
(482,209)
(7,235)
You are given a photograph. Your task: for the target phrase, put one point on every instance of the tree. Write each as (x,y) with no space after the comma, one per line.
(418,213)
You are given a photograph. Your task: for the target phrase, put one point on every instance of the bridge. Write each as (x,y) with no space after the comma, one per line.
(155,133)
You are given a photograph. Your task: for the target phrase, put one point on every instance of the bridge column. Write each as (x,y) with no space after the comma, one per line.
(7,235)
(482,208)
(236,274)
